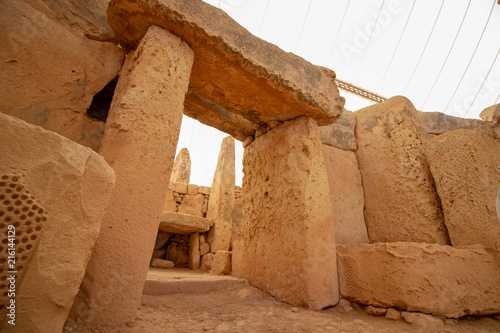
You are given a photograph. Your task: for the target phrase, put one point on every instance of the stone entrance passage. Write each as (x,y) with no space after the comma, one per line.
(287,244)
(139,143)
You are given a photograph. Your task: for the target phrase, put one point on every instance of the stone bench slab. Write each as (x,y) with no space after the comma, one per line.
(178,223)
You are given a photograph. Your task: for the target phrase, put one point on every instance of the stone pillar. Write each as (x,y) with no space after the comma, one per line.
(139,143)
(286,245)
(221,202)
(194,251)
(181,172)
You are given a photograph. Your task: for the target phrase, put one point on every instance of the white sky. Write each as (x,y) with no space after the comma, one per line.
(363,61)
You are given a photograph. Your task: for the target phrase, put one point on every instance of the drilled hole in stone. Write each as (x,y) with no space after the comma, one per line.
(17,224)
(23,217)
(28,247)
(2,286)
(31,214)
(38,219)
(29,230)
(25,240)
(15,178)
(5,294)
(2,213)
(27,223)
(10,209)
(14,196)
(6,202)
(24,197)
(19,233)
(4,278)
(40,211)
(18,202)
(3,225)
(4,241)
(2,196)
(19,189)
(25,209)
(34,207)
(8,219)
(8,191)
(2,260)
(5,177)
(33,237)
(17,212)
(44,219)
(12,185)
(29,202)
(38,228)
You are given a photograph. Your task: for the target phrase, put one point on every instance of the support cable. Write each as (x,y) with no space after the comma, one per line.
(397,46)
(471,58)
(447,56)
(338,33)
(263,18)
(481,87)
(425,47)
(303,26)
(368,43)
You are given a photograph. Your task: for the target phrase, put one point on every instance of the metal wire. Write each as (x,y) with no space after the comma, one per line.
(367,44)
(338,32)
(303,26)
(481,87)
(447,56)
(425,47)
(397,46)
(471,58)
(263,18)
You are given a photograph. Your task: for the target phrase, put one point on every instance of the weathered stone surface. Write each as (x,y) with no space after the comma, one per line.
(238,213)
(428,278)
(204,248)
(181,170)
(159,254)
(436,123)
(248,77)
(192,205)
(346,192)
(192,189)
(393,314)
(204,190)
(498,203)
(465,166)
(221,203)
(221,264)
(180,188)
(162,263)
(401,203)
(140,146)
(286,246)
(65,69)
(170,203)
(161,239)
(178,223)
(491,114)
(206,262)
(341,133)
(194,251)
(375,311)
(345,305)
(421,320)
(54,193)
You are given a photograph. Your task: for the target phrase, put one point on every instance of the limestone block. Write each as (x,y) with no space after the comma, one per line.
(428,278)
(206,262)
(162,263)
(464,165)
(178,223)
(181,188)
(161,239)
(422,320)
(286,246)
(204,190)
(204,248)
(238,217)
(249,78)
(436,123)
(393,314)
(491,114)
(50,69)
(159,254)
(192,205)
(346,189)
(139,142)
(340,134)
(170,202)
(53,192)
(192,189)
(221,263)
(194,251)
(401,203)
(221,203)
(181,170)
(375,311)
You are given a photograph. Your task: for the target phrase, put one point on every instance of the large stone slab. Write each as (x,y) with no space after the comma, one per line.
(340,134)
(181,171)
(427,278)
(53,194)
(49,69)
(139,142)
(235,74)
(401,203)
(286,245)
(436,123)
(491,114)
(178,223)
(465,165)
(346,190)
(221,203)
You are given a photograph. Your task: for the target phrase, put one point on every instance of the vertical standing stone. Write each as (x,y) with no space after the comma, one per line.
(181,172)
(221,203)
(139,143)
(194,251)
(286,245)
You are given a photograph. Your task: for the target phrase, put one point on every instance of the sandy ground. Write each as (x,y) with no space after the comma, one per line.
(243,308)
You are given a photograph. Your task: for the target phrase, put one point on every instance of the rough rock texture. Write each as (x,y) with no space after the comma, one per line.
(375,311)
(491,114)
(401,203)
(236,75)
(194,251)
(428,278)
(465,165)
(238,213)
(139,142)
(421,320)
(436,123)
(178,223)
(340,134)
(181,170)
(49,70)
(170,203)
(162,263)
(206,262)
(221,203)
(192,205)
(221,263)
(286,246)
(347,199)
(53,192)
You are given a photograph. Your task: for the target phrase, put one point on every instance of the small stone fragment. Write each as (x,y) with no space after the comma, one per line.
(221,264)
(181,188)
(248,140)
(192,189)
(375,311)
(206,262)
(204,190)
(161,263)
(422,320)
(345,305)
(393,314)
